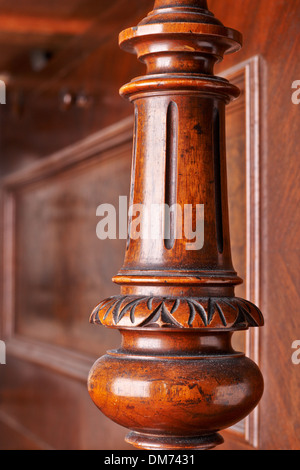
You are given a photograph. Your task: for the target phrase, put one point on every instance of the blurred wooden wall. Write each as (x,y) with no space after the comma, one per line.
(65,148)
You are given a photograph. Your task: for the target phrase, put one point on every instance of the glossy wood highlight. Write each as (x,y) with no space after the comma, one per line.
(178,293)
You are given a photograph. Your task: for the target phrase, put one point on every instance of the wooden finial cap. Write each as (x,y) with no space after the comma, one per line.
(177,26)
(177,11)
(184,3)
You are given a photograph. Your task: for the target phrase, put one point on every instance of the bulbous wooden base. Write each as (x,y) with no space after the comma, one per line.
(175,389)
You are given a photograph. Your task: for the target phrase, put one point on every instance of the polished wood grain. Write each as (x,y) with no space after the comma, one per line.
(176,379)
(58,194)
(31,131)
(40,348)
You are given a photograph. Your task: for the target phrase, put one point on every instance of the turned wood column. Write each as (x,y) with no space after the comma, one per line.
(176,380)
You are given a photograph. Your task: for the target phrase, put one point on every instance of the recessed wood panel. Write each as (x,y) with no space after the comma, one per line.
(56,269)
(63,269)
(55,272)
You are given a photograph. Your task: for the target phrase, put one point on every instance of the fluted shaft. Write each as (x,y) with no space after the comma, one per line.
(176,380)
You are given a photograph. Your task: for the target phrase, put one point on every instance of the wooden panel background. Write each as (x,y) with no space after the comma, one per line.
(271,30)
(43,398)
(55,272)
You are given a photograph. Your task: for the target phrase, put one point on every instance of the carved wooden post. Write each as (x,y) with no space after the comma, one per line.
(176,381)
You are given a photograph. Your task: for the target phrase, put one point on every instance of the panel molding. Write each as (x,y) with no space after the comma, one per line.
(93,147)
(246,75)
(105,144)
(15,427)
